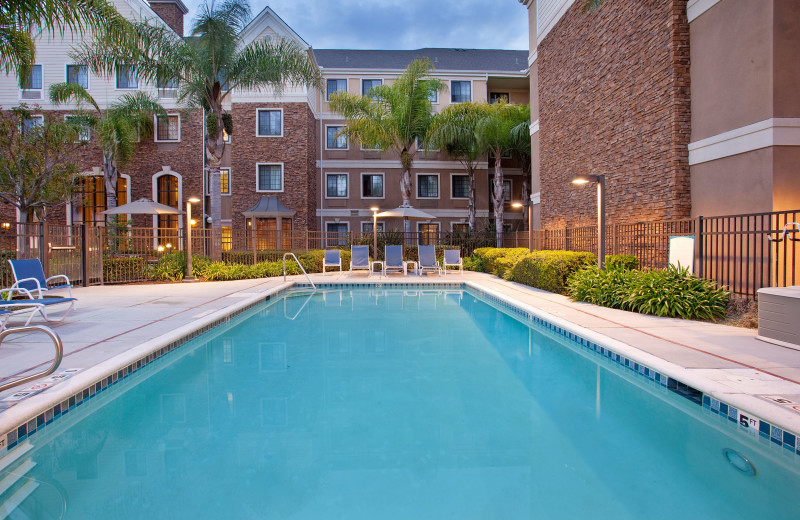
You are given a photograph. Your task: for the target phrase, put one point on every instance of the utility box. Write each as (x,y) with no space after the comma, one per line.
(779,316)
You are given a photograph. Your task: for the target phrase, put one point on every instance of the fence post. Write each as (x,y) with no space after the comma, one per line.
(84,256)
(44,238)
(698,246)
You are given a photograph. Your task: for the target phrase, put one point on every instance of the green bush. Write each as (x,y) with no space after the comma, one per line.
(491,255)
(617,262)
(171,266)
(474,263)
(548,270)
(124,268)
(672,292)
(505,264)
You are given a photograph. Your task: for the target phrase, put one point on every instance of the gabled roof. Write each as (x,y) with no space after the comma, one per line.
(268,18)
(484,60)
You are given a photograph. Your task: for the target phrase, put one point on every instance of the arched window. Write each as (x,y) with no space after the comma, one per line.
(167,191)
(92,190)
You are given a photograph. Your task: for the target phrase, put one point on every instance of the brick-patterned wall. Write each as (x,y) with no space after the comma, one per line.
(171,14)
(296,150)
(184,158)
(614,99)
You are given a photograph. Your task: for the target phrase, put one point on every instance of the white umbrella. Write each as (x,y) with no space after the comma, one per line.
(143,206)
(406,212)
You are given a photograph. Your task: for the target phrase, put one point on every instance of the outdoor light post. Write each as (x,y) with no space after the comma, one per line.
(530,220)
(374,232)
(189,276)
(601,212)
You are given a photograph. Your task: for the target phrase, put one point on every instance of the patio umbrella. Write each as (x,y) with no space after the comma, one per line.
(405,212)
(143,206)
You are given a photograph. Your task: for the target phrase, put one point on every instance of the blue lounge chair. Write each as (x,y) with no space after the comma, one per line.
(452,258)
(29,275)
(332,258)
(393,261)
(359,259)
(11,307)
(427,260)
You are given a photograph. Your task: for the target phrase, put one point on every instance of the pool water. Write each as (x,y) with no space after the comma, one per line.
(393,404)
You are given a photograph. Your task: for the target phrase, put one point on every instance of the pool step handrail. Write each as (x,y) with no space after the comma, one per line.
(59,346)
(299,265)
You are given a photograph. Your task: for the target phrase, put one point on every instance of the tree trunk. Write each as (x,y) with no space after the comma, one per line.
(471,201)
(110,178)
(499,198)
(215,148)
(526,199)
(405,179)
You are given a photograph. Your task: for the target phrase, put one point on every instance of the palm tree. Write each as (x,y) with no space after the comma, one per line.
(520,147)
(20,19)
(206,67)
(454,130)
(590,5)
(118,128)
(392,117)
(494,136)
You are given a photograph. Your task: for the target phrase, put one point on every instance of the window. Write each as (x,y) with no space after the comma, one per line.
(92,196)
(270,177)
(167,194)
(366,227)
(434,97)
(270,123)
(372,185)
(31,123)
(227,245)
(428,233)
(507,190)
(333,86)
(338,233)
(460,185)
(85,133)
(421,147)
(168,88)
(427,186)
(497,97)
(336,185)
(225,181)
(461,228)
(460,91)
(32,85)
(168,128)
(78,75)
(369,84)
(334,141)
(127,77)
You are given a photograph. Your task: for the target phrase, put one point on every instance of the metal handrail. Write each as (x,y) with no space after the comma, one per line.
(57,361)
(301,268)
(296,314)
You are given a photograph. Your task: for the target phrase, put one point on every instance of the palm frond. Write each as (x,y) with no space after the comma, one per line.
(264,64)
(61,93)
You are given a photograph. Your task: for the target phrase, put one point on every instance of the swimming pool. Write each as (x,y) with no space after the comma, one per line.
(394,403)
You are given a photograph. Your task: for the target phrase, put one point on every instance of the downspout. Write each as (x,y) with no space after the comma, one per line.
(203,155)
(322,173)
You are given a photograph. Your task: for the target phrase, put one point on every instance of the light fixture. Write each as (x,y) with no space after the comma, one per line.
(601,211)
(189,277)
(374,232)
(530,221)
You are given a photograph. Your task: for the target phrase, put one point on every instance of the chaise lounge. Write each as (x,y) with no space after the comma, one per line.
(393,261)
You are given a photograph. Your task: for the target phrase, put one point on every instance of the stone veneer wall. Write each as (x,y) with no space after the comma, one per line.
(296,150)
(171,14)
(614,99)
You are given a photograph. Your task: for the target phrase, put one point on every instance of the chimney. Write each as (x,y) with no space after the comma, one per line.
(172,12)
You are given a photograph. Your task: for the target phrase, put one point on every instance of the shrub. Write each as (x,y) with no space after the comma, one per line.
(171,266)
(123,269)
(474,263)
(549,270)
(505,264)
(490,256)
(672,292)
(617,262)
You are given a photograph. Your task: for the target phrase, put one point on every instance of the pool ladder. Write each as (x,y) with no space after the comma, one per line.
(299,265)
(59,346)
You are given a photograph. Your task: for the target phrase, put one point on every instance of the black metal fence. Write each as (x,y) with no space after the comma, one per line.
(741,252)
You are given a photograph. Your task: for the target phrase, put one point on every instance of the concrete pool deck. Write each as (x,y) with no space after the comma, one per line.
(116,324)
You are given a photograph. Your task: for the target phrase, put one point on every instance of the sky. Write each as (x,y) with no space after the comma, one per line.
(399,24)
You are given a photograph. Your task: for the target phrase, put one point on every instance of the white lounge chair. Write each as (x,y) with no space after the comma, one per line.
(427,260)
(452,258)
(393,261)
(359,259)
(9,307)
(332,258)
(29,275)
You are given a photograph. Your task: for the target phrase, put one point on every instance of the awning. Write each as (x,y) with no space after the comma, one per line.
(269,207)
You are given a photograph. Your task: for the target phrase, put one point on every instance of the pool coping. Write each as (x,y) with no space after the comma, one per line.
(755,416)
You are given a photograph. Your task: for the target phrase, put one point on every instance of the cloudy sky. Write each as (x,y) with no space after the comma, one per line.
(400,24)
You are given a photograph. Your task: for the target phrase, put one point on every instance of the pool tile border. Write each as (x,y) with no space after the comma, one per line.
(747,422)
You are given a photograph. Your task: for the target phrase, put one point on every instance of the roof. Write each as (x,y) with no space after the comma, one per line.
(269,207)
(485,60)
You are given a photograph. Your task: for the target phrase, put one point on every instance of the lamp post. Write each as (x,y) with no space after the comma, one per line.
(189,276)
(530,220)
(601,212)
(374,232)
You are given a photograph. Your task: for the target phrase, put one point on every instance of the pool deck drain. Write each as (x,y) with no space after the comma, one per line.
(113,323)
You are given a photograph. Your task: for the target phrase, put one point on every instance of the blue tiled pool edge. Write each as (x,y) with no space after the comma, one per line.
(765,430)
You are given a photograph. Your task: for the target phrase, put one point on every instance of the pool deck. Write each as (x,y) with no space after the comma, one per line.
(116,324)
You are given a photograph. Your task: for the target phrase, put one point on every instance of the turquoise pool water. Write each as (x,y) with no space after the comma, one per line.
(393,404)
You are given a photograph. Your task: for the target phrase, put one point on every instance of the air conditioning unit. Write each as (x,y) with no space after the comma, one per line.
(31,94)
